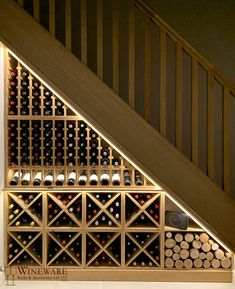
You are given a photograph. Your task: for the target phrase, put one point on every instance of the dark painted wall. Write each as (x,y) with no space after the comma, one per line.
(209,25)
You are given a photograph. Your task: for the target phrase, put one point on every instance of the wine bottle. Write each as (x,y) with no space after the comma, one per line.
(104,162)
(37,179)
(15,179)
(116,179)
(104,179)
(127,178)
(138,179)
(82,180)
(71,178)
(26,179)
(36,84)
(48,179)
(116,162)
(60,179)
(93,179)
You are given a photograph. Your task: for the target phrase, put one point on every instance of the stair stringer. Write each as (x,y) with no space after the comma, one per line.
(141,144)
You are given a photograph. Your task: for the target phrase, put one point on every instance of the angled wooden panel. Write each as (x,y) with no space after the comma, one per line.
(117,122)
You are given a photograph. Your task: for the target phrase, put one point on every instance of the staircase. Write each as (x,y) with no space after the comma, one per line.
(155,71)
(169,84)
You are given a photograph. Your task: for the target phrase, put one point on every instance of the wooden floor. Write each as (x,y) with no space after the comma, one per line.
(117,285)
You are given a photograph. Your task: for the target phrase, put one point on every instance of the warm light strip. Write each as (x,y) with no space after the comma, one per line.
(123,155)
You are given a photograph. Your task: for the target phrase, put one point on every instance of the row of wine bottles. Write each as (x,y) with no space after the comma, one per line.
(65,209)
(93,178)
(25,87)
(57,143)
(102,249)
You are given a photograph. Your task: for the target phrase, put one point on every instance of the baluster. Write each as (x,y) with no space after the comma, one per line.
(163,82)
(195,112)
(147,64)
(226,139)
(36,9)
(178,95)
(211,126)
(131,54)
(52,17)
(115,46)
(100,38)
(84,31)
(68,37)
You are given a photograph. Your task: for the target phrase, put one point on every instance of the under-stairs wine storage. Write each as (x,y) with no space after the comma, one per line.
(73,202)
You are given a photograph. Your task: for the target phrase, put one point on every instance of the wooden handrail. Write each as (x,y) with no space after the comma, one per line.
(141,4)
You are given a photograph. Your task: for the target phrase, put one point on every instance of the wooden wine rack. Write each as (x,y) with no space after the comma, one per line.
(101,232)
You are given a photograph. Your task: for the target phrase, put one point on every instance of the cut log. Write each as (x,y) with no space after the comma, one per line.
(189,237)
(194,253)
(168,253)
(168,234)
(188,264)
(176,256)
(226,263)
(206,247)
(176,248)
(197,244)
(179,264)
(198,263)
(196,237)
(184,254)
(206,264)
(169,263)
(184,245)
(209,256)
(170,243)
(219,254)
(204,237)
(202,256)
(214,246)
(179,237)
(215,263)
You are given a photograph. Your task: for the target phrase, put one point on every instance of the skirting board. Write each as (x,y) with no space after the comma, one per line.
(220,276)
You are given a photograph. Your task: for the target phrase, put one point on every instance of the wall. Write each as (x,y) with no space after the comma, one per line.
(209,25)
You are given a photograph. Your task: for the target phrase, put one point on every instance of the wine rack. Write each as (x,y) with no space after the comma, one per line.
(83,229)
(50,146)
(72,201)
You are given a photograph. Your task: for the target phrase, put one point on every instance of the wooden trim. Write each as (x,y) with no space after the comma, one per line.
(179,98)
(226,139)
(119,124)
(68,24)
(163,82)
(141,4)
(116,46)
(84,31)
(211,126)
(6,73)
(100,48)
(36,9)
(148,275)
(131,98)
(52,17)
(195,112)
(147,70)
